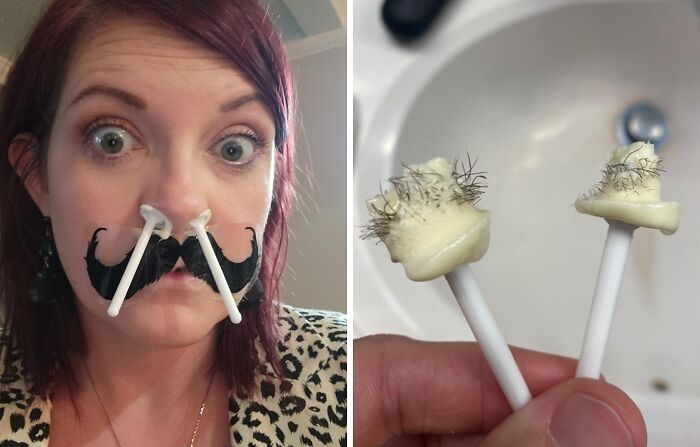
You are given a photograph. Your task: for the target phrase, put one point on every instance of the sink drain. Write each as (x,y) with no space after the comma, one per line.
(660,385)
(643,122)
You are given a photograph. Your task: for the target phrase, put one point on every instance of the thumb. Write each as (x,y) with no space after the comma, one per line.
(575,413)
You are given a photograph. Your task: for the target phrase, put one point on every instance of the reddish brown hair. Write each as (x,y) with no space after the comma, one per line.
(241,31)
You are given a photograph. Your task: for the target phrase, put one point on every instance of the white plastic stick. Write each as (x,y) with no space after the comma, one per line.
(607,289)
(153,218)
(198,226)
(488,336)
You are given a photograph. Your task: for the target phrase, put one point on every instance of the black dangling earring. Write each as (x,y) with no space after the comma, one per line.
(50,284)
(253,297)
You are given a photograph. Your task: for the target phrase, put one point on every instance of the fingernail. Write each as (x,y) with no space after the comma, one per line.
(584,421)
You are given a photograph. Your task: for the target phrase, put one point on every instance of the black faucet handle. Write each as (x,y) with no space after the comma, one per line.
(408,20)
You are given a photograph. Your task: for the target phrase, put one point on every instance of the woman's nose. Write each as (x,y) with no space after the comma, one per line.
(175,190)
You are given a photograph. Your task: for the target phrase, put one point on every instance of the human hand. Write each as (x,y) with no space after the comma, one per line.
(411,393)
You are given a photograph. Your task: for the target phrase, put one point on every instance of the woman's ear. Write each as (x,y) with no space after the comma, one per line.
(23,157)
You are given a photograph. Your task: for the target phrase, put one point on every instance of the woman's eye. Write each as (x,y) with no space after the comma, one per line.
(236,149)
(113,140)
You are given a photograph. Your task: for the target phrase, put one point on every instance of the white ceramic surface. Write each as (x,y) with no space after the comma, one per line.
(534,90)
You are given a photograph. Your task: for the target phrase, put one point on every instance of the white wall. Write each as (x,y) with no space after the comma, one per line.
(316,270)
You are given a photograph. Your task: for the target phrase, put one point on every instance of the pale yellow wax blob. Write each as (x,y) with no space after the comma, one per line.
(631,191)
(428,222)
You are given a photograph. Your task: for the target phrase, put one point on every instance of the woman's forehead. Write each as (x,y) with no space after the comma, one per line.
(142,54)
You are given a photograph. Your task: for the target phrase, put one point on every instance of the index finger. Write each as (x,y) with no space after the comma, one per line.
(408,386)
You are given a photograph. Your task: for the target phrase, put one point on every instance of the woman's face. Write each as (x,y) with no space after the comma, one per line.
(149,117)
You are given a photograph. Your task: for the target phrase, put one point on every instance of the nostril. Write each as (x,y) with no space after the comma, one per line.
(178,210)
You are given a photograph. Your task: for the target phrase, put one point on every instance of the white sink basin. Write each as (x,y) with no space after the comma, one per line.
(535,92)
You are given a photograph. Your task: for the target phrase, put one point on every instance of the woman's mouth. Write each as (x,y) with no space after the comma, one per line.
(178,278)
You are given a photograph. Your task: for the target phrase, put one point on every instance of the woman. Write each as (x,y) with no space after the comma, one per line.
(184,107)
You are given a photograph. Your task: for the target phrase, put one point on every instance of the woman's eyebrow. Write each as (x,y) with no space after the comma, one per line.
(138,103)
(240,102)
(105,90)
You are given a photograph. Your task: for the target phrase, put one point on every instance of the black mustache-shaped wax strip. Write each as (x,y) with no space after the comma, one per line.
(160,257)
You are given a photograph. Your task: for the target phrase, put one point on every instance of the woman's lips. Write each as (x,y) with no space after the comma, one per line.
(178,279)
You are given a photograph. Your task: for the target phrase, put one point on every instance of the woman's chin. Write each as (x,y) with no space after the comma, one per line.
(167,317)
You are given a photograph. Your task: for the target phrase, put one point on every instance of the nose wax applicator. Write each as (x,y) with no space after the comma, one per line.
(156,222)
(628,197)
(197,225)
(430,224)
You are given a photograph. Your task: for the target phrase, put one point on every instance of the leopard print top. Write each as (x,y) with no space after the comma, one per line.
(307,408)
